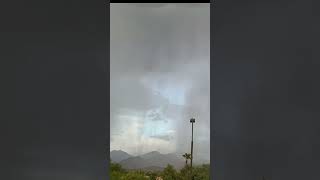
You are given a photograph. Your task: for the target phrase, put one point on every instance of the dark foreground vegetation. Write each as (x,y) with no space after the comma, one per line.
(169,173)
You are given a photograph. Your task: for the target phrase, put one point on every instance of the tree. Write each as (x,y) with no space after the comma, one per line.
(114,175)
(114,167)
(186,156)
(201,172)
(185,173)
(169,173)
(116,171)
(152,175)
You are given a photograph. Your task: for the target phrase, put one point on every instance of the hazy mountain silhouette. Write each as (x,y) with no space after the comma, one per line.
(152,161)
(118,155)
(153,168)
(151,154)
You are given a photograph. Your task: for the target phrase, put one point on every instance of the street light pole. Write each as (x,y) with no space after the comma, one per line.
(192,120)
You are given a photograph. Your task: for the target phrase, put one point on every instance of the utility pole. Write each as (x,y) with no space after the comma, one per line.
(192,120)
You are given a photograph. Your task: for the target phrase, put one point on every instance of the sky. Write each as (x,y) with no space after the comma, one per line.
(160,78)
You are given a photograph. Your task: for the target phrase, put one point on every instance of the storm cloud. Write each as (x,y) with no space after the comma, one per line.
(160,77)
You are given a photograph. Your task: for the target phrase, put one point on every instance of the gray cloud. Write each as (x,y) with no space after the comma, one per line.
(159,5)
(163,137)
(160,72)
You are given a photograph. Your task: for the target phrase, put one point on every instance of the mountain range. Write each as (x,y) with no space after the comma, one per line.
(154,161)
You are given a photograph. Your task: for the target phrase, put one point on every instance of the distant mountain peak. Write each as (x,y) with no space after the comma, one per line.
(153,160)
(154,152)
(119,155)
(151,154)
(117,151)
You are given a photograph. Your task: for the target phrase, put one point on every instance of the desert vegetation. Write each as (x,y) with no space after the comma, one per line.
(200,172)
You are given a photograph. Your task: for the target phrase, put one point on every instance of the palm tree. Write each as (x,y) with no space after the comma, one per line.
(186,156)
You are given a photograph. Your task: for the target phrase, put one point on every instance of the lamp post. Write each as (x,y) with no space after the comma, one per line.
(192,120)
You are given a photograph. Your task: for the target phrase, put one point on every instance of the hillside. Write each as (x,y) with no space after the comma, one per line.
(153,160)
(118,155)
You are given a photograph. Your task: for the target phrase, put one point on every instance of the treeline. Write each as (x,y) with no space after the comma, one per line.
(169,173)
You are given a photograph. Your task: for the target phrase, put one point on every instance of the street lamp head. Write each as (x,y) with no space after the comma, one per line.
(192,120)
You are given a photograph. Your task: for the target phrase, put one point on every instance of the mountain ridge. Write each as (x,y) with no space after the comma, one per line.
(153,160)
(119,155)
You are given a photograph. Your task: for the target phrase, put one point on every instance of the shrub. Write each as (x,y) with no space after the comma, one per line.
(115,175)
(134,175)
(152,175)
(169,173)
(114,167)
(199,172)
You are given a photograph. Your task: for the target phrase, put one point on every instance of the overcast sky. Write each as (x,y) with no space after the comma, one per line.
(160,77)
